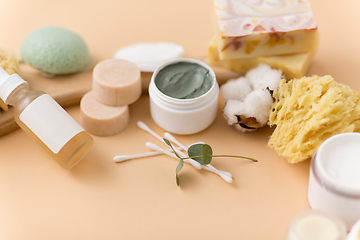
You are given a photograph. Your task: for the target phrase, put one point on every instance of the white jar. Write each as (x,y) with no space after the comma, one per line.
(316,225)
(183,116)
(354,233)
(334,181)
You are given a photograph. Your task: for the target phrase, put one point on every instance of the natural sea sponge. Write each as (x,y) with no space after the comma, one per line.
(9,63)
(55,50)
(309,110)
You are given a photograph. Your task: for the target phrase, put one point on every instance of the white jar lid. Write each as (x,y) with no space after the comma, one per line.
(354,233)
(338,163)
(8,83)
(316,225)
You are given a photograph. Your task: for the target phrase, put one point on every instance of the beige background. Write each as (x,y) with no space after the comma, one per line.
(139,199)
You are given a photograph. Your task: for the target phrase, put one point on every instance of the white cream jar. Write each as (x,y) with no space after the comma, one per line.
(334,182)
(183,115)
(316,225)
(354,233)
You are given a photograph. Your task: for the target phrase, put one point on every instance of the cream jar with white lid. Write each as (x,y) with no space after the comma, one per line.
(184,116)
(316,225)
(334,181)
(354,233)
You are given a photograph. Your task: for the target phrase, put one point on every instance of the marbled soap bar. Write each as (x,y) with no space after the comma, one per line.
(250,28)
(293,65)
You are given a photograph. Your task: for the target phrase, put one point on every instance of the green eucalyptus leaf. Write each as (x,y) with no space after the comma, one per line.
(178,168)
(202,153)
(177,180)
(169,144)
(196,150)
(206,152)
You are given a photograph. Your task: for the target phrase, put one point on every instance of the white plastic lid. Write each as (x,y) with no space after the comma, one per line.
(338,163)
(354,233)
(316,225)
(8,83)
(149,56)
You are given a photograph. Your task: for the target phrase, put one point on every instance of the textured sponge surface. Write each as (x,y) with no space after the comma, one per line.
(309,110)
(55,50)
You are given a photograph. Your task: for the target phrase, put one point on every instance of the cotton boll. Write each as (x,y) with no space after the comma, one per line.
(258,104)
(235,89)
(264,76)
(251,109)
(235,112)
(231,110)
(274,77)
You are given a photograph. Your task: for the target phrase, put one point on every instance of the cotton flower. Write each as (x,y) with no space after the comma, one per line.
(232,109)
(264,76)
(248,99)
(258,104)
(235,89)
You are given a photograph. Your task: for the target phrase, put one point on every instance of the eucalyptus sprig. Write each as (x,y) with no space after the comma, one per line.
(200,152)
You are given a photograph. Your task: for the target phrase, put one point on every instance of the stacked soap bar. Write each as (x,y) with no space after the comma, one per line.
(292,65)
(248,28)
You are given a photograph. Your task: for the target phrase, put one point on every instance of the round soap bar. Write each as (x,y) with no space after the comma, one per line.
(116,82)
(102,120)
(55,51)
(149,56)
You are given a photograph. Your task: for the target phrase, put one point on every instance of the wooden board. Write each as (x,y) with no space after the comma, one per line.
(68,90)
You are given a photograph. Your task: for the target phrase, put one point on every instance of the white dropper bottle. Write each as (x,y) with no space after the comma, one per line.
(41,117)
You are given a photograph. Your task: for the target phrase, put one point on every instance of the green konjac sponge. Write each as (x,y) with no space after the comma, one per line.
(55,51)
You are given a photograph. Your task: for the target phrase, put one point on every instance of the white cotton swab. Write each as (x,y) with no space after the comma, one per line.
(144,127)
(155,147)
(223,174)
(121,158)
(173,139)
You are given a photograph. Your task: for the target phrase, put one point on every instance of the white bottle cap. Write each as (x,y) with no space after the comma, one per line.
(8,83)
